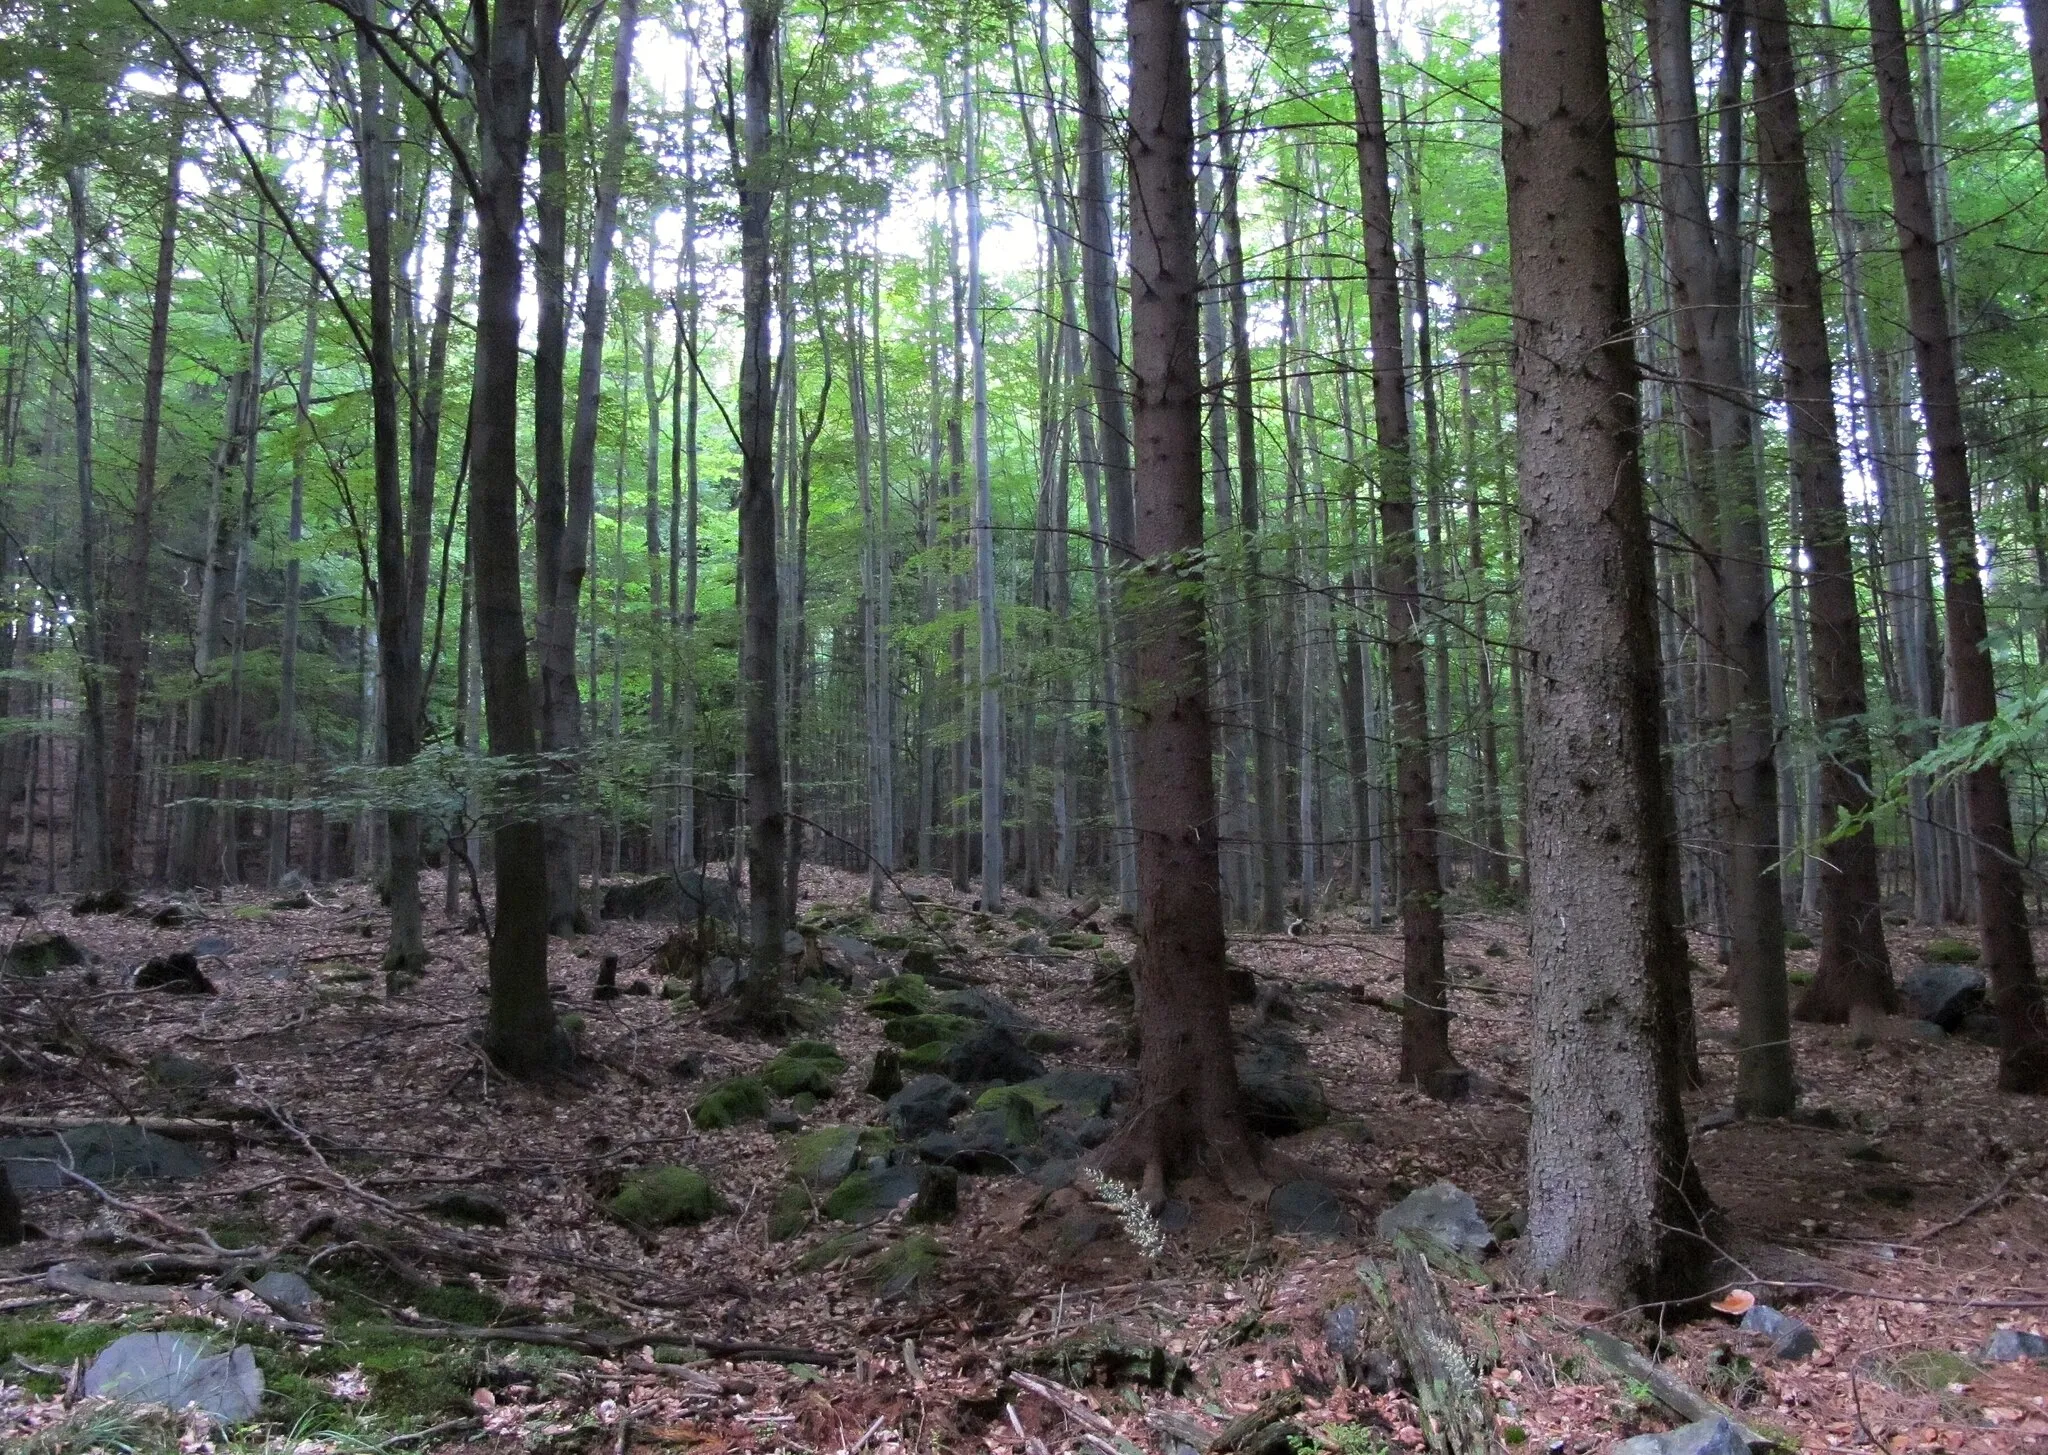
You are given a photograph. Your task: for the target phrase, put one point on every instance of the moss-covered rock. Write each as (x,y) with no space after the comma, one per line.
(40,954)
(906,1268)
(732,1101)
(1020,1108)
(806,1066)
(1951,952)
(866,1196)
(823,1158)
(900,995)
(791,1213)
(661,1197)
(922,1030)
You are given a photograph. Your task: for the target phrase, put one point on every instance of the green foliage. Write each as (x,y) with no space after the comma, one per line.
(1947,951)
(900,995)
(1021,1107)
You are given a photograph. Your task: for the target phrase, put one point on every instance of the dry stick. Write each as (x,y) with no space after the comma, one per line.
(1996,1195)
(1064,1400)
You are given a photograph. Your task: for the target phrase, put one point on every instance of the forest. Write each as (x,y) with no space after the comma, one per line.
(1201,726)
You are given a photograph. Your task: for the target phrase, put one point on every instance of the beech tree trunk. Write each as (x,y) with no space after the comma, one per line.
(991,657)
(89,809)
(521,1035)
(1188,1114)
(1426,1057)
(760,1001)
(2001,886)
(1614,1200)
(1854,969)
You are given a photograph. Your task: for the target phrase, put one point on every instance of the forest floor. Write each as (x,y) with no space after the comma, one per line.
(1904,1216)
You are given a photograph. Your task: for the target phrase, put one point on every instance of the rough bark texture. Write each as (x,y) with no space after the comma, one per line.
(520,1033)
(766,825)
(1854,967)
(2001,886)
(1188,1116)
(90,811)
(1426,1057)
(1613,1198)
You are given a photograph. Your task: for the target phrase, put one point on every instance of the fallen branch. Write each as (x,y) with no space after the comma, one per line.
(607,1343)
(1457,1414)
(1064,1400)
(180,1128)
(1677,1397)
(76,1282)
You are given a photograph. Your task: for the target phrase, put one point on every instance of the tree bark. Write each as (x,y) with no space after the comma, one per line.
(1614,1201)
(521,1035)
(1188,1113)
(1854,967)
(131,625)
(760,1001)
(2001,887)
(991,659)
(1426,1057)
(89,811)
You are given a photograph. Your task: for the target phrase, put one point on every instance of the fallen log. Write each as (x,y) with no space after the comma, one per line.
(1457,1412)
(1678,1398)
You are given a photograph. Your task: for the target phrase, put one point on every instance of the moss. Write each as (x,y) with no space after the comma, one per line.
(889,942)
(1926,1371)
(922,1030)
(900,995)
(1075,942)
(1798,940)
(255,912)
(928,1056)
(661,1197)
(53,1346)
(906,1269)
(730,1102)
(1021,1107)
(806,1066)
(838,1246)
(1799,977)
(864,1194)
(822,1157)
(791,1213)
(1951,952)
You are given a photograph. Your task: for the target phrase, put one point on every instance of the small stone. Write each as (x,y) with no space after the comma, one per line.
(2009,1345)
(1717,1436)
(285,1291)
(183,1073)
(1441,1213)
(213,947)
(927,1104)
(1309,1209)
(782,1119)
(1791,1339)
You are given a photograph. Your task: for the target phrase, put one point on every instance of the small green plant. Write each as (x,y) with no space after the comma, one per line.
(1951,952)
(1129,1206)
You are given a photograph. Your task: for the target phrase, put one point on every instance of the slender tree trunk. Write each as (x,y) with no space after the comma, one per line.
(761,628)
(89,811)
(521,1035)
(1706,286)
(1426,1057)
(2001,888)
(1854,967)
(991,659)
(1189,1115)
(1614,1199)
(131,648)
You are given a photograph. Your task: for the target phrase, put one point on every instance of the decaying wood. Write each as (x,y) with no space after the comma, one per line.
(178,1128)
(1674,1395)
(1457,1412)
(1064,1400)
(79,1282)
(1241,1432)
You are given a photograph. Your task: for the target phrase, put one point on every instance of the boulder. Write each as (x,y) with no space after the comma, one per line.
(1310,1209)
(869,1196)
(717,979)
(685,897)
(1442,1214)
(826,1157)
(179,1372)
(1086,1093)
(1791,1339)
(104,1151)
(40,954)
(109,901)
(805,1066)
(2010,1345)
(985,1006)
(991,1054)
(1717,1436)
(1944,994)
(1281,1093)
(732,1101)
(849,957)
(926,1105)
(661,1197)
(177,974)
(885,1074)
(286,1292)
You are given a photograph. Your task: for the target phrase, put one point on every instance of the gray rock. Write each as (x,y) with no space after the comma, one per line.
(2009,1345)
(716,981)
(1176,1215)
(984,1006)
(870,1195)
(1441,1213)
(826,1157)
(213,945)
(178,1371)
(105,1152)
(1309,1209)
(1057,1173)
(926,1105)
(1088,1093)
(182,1073)
(1703,1437)
(40,954)
(174,974)
(285,1291)
(685,898)
(853,956)
(460,1205)
(792,943)
(991,1054)
(1944,994)
(1790,1338)
(1281,1093)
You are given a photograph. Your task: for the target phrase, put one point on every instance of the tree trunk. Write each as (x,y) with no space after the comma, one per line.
(1426,1057)
(760,1001)
(520,1033)
(991,658)
(1854,967)
(1733,579)
(1188,1113)
(89,809)
(1614,1200)
(2001,886)
(131,625)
